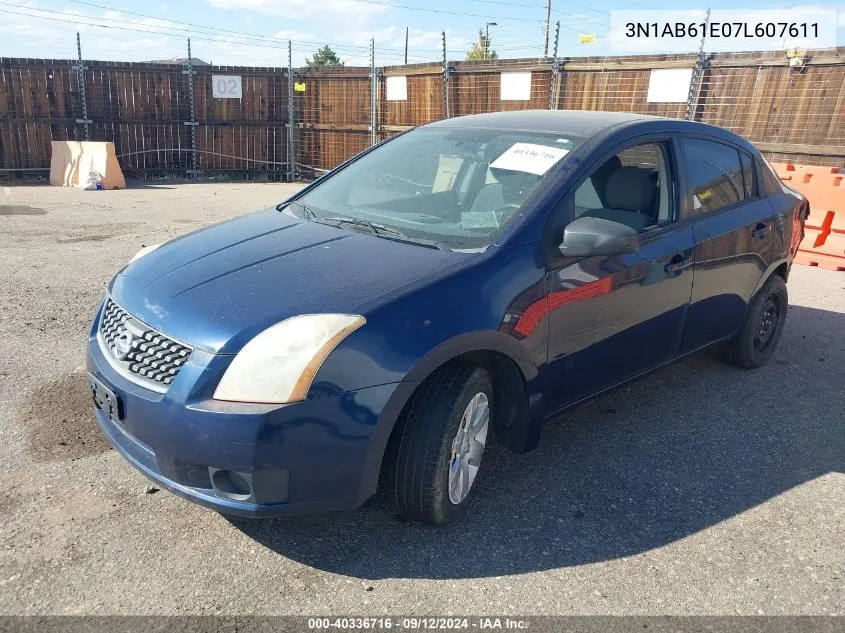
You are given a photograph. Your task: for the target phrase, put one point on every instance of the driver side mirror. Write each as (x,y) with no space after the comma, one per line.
(596,236)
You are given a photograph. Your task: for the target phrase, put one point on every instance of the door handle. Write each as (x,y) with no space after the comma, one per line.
(761,230)
(678,263)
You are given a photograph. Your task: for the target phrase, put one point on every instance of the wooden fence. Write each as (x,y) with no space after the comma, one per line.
(794,114)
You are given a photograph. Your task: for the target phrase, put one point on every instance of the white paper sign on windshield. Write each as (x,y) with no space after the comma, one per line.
(530,158)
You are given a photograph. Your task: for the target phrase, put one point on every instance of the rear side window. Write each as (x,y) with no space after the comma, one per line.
(770,180)
(749,174)
(716,175)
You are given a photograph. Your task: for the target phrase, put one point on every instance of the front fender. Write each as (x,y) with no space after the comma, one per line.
(477,342)
(521,435)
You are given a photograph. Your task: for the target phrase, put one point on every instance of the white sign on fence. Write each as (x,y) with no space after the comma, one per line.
(516,86)
(669,85)
(226,87)
(397,88)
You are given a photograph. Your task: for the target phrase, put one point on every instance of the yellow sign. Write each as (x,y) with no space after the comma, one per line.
(299,86)
(586,38)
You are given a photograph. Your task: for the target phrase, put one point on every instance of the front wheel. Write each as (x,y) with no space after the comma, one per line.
(434,457)
(764,320)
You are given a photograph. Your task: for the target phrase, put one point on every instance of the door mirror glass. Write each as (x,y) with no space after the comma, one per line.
(587,236)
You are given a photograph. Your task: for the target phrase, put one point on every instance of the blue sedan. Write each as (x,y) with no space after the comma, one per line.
(461,283)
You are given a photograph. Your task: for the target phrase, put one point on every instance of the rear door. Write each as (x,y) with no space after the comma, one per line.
(733,226)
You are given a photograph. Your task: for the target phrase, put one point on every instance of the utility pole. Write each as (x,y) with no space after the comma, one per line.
(406,45)
(548,20)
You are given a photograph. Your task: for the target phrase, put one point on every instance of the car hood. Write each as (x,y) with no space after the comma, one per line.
(218,287)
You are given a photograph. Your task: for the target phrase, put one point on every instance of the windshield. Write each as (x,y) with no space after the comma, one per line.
(454,188)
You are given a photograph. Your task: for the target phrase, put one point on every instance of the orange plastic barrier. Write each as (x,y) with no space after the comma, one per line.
(824,231)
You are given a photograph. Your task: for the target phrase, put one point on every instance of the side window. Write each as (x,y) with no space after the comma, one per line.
(749,174)
(716,176)
(771,183)
(633,188)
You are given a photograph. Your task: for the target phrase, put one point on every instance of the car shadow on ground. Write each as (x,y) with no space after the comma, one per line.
(689,446)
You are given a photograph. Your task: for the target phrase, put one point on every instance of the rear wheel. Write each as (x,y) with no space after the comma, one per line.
(434,457)
(764,320)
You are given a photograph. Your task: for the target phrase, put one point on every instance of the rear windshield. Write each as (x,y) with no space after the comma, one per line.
(458,187)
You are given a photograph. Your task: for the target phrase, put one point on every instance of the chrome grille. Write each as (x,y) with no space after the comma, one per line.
(152,357)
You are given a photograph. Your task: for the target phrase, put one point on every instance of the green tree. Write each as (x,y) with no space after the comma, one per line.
(481,49)
(323,58)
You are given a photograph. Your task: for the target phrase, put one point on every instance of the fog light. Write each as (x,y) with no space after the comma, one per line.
(231,484)
(260,486)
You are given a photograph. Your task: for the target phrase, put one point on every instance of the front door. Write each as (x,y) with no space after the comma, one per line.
(611,318)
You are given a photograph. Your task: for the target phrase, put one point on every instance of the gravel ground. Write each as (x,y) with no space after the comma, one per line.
(702,489)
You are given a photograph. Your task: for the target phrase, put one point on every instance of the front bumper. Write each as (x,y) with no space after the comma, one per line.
(318,455)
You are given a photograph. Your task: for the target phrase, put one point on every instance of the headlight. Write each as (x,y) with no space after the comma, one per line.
(144,251)
(278,365)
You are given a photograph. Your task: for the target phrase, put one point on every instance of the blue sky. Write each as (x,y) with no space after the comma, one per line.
(252,32)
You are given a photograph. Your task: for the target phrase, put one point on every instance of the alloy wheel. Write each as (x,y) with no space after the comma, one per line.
(468,447)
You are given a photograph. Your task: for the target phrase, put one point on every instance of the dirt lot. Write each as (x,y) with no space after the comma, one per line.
(701,489)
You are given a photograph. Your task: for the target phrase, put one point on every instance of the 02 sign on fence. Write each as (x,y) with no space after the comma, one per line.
(226,87)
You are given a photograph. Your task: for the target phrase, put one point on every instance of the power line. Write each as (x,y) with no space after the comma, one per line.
(543,7)
(443,11)
(222,31)
(176,31)
(155,31)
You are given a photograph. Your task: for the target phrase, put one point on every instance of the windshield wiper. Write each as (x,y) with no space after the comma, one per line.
(386,232)
(375,228)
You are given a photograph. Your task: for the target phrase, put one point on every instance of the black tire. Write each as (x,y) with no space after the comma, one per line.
(766,313)
(420,451)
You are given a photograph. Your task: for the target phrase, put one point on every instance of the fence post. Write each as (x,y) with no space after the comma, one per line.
(80,80)
(193,122)
(445,80)
(373,94)
(290,148)
(555,71)
(695,80)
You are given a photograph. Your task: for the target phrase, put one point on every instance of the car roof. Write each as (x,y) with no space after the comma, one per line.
(587,123)
(582,123)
